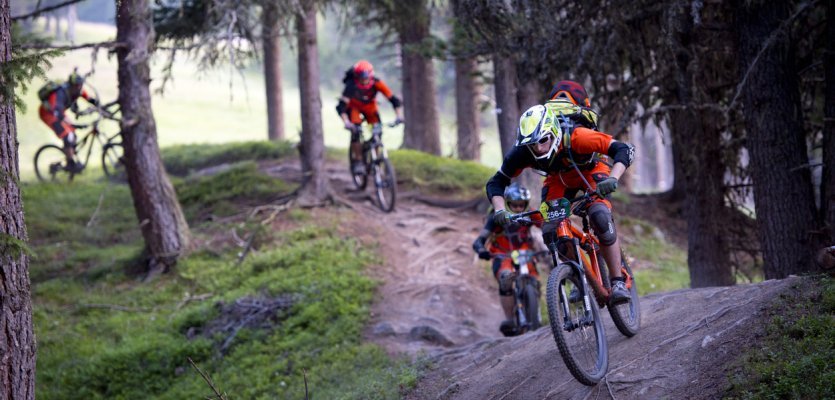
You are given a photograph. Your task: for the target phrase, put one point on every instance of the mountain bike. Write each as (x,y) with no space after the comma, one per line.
(377,166)
(579,277)
(51,161)
(525,292)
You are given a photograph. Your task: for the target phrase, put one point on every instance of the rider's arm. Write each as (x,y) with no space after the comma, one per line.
(395,101)
(514,163)
(90,99)
(342,108)
(587,141)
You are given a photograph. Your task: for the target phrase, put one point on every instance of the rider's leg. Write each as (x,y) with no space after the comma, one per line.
(600,217)
(503,270)
(356,146)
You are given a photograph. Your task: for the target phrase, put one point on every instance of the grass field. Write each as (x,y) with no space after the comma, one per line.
(213,106)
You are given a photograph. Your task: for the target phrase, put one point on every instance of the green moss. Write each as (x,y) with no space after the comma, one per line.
(182,159)
(659,266)
(226,192)
(794,360)
(439,175)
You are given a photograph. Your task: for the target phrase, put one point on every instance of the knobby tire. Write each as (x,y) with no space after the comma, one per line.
(584,349)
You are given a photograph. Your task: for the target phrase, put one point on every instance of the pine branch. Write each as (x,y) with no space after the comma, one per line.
(97,45)
(45,9)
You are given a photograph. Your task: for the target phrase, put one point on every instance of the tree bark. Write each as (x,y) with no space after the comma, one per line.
(420,106)
(507,106)
(314,188)
(528,95)
(828,182)
(17,338)
(466,108)
(698,141)
(771,97)
(272,71)
(161,220)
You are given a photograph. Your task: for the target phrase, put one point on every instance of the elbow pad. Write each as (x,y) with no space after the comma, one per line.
(621,152)
(395,101)
(342,107)
(496,185)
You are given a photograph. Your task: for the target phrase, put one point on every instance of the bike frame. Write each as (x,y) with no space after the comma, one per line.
(374,147)
(523,277)
(96,134)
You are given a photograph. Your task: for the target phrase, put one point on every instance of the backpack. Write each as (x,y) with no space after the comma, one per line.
(583,116)
(47,89)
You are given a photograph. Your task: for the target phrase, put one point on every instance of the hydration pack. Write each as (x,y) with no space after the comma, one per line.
(47,89)
(583,116)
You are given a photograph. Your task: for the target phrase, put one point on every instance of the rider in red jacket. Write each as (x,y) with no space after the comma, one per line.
(52,112)
(359,102)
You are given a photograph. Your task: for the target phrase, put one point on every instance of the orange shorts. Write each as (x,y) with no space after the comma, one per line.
(357,111)
(555,186)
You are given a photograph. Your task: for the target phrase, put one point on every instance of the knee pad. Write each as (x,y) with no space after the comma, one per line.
(604,226)
(506,283)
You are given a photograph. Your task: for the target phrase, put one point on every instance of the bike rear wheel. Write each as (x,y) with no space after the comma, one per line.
(113,162)
(51,164)
(360,180)
(580,339)
(627,316)
(386,184)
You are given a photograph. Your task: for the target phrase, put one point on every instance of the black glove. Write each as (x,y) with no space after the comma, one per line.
(484,254)
(607,186)
(94,101)
(502,217)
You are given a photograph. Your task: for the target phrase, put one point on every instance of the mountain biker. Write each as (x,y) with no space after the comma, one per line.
(503,239)
(573,158)
(358,102)
(52,113)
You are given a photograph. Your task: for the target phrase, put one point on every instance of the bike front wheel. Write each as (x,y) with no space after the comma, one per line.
(360,179)
(386,184)
(580,336)
(51,164)
(113,162)
(531,302)
(627,316)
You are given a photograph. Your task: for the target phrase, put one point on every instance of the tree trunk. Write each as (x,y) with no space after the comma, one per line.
(507,106)
(828,182)
(423,126)
(72,18)
(160,217)
(314,188)
(466,109)
(272,71)
(17,338)
(703,171)
(776,141)
(528,95)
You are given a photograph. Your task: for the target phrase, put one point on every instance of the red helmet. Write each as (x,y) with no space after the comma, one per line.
(363,74)
(572,91)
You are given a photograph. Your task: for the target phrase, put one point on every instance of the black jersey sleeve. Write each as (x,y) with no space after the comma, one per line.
(516,160)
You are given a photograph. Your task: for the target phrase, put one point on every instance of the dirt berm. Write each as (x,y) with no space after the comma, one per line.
(688,341)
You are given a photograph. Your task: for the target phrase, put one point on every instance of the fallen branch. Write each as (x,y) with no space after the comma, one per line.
(207,379)
(115,307)
(306,394)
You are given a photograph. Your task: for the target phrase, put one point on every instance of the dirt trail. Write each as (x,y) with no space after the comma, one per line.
(434,293)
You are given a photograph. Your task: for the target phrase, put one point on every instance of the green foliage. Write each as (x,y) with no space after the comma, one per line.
(25,65)
(795,358)
(226,192)
(10,245)
(432,174)
(87,227)
(101,334)
(182,159)
(659,266)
